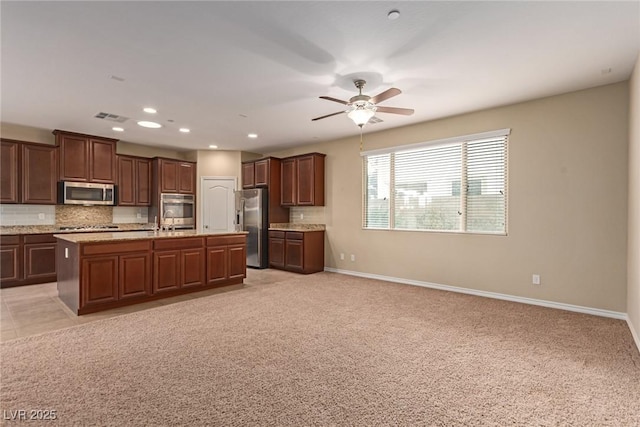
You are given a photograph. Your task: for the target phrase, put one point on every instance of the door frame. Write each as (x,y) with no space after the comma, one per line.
(203,180)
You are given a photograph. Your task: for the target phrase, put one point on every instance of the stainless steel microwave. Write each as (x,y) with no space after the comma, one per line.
(86,193)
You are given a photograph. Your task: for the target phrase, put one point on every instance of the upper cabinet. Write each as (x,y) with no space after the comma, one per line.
(9,170)
(29,173)
(303,180)
(134,181)
(86,158)
(175,176)
(266,173)
(39,170)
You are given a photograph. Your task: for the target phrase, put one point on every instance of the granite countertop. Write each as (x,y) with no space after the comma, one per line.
(288,226)
(45,229)
(138,235)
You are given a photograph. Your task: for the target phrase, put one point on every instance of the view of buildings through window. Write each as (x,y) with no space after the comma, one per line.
(420,189)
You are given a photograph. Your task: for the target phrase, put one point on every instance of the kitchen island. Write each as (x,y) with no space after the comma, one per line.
(100,271)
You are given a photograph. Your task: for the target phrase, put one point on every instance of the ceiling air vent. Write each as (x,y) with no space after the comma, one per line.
(373,120)
(111,117)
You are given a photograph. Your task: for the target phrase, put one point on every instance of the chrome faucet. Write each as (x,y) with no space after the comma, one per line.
(173,220)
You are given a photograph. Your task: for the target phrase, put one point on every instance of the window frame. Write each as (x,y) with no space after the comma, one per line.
(463,141)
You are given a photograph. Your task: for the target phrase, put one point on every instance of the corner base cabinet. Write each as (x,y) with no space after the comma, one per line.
(297,251)
(102,274)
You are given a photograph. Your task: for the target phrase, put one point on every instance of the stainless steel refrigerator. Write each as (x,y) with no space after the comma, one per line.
(252,215)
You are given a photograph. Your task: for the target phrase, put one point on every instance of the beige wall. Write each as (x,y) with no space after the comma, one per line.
(216,163)
(633,255)
(567,204)
(26,133)
(44,136)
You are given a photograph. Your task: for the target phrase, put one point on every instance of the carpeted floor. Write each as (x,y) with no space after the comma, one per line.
(326,350)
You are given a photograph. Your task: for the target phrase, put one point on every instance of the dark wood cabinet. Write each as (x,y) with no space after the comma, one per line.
(192,267)
(301,252)
(86,158)
(9,171)
(248,175)
(134,276)
(29,173)
(99,280)
(175,176)
(39,171)
(102,161)
(217,265)
(226,259)
(303,180)
(27,259)
(288,187)
(178,263)
(94,276)
(10,259)
(237,261)
(39,258)
(134,181)
(276,249)
(266,173)
(166,271)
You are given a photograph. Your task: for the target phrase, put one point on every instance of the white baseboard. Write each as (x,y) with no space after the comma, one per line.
(495,295)
(634,333)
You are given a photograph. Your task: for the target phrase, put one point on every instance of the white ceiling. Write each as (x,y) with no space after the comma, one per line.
(225,69)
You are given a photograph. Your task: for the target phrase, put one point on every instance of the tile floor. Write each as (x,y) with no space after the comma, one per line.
(34,309)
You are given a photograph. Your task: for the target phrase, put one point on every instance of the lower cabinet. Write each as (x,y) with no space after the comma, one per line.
(180,267)
(226,259)
(96,276)
(298,251)
(114,272)
(27,259)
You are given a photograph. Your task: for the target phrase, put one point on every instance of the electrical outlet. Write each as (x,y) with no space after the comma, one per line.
(342,256)
(353,257)
(40,216)
(535,279)
(301,216)
(138,215)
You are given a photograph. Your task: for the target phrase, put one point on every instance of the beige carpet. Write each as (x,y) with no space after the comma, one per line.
(329,349)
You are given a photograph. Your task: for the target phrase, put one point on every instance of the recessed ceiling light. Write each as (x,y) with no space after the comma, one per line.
(117,129)
(149,110)
(253,135)
(393,15)
(152,125)
(213,146)
(185,130)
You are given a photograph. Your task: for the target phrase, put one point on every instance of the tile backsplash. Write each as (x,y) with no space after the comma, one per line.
(71,215)
(27,214)
(307,215)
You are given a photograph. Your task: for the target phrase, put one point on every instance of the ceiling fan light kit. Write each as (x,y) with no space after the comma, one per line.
(361,108)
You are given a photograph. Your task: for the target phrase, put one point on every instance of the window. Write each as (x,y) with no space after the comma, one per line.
(419,187)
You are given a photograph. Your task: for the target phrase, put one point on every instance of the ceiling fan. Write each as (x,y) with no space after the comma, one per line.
(362,107)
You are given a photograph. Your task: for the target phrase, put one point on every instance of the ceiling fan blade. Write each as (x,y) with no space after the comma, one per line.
(385,95)
(328,98)
(394,110)
(328,115)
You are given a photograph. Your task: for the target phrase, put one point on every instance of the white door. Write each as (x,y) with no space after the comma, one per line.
(218,204)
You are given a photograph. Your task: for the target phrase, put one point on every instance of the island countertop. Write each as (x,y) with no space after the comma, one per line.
(139,235)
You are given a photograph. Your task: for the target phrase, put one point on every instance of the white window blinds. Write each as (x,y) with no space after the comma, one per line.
(457,184)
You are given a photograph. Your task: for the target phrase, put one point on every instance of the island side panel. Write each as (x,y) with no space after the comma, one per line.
(68,270)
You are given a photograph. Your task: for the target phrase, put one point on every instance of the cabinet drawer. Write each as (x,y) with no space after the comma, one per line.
(295,235)
(39,238)
(276,234)
(116,248)
(226,240)
(168,244)
(10,240)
